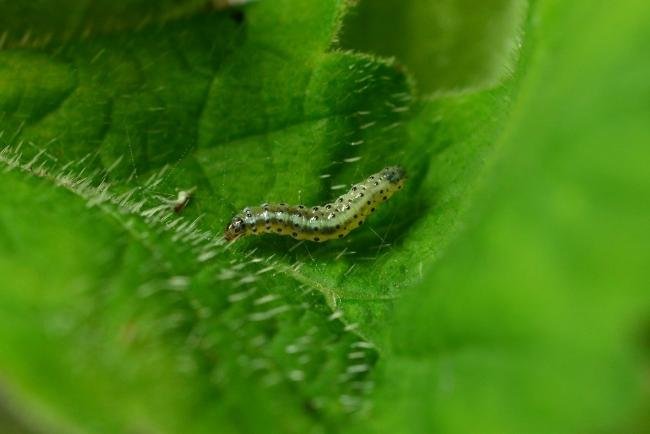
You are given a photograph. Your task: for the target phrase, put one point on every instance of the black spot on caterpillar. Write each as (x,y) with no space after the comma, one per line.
(319,223)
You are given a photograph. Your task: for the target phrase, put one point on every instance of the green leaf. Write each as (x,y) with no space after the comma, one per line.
(518,289)
(450,46)
(43,22)
(536,319)
(163,324)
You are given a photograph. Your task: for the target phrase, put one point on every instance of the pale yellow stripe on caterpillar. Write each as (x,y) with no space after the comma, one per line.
(323,222)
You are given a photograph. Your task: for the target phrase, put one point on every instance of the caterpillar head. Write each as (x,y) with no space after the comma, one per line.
(235,229)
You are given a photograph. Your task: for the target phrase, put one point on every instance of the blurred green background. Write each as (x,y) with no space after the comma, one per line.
(505,290)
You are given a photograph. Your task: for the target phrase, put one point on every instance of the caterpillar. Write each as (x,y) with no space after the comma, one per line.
(323,222)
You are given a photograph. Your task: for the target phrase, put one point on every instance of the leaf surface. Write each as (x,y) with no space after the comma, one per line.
(122,314)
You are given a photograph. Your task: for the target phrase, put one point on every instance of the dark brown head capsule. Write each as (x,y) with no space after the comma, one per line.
(235,229)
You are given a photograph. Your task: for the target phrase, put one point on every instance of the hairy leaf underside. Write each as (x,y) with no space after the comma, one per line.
(501,286)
